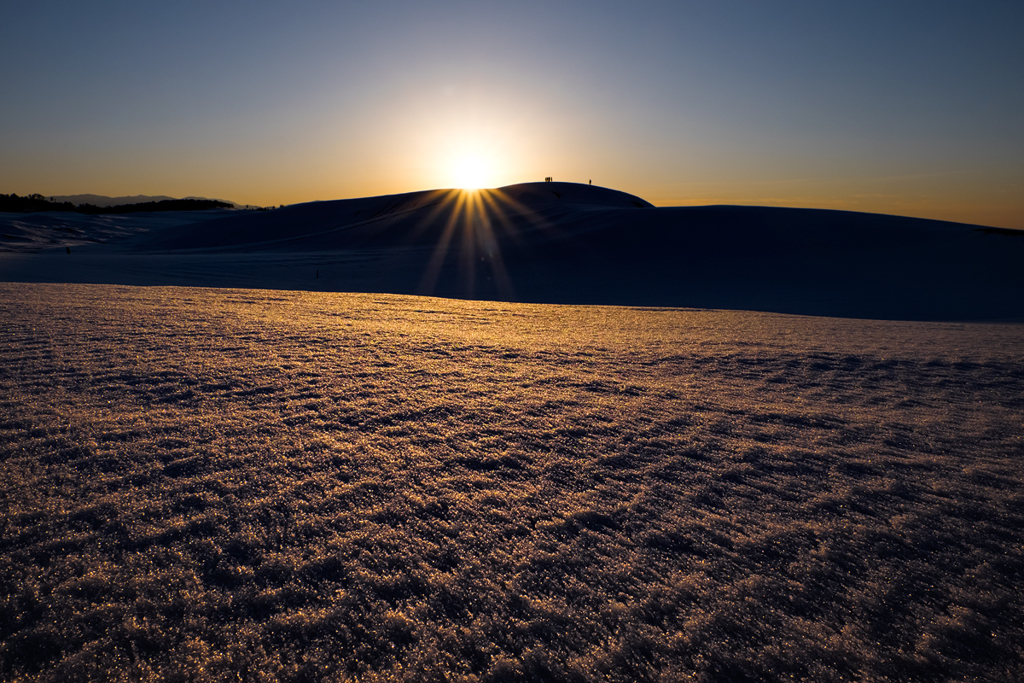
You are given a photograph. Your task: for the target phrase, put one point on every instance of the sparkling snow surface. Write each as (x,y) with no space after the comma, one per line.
(259,485)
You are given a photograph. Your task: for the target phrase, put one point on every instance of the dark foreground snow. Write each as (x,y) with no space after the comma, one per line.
(560,243)
(224,485)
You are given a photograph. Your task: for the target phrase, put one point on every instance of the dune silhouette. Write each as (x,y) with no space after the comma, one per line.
(570,243)
(414,218)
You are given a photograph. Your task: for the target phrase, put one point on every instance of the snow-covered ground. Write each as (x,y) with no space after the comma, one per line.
(255,475)
(551,243)
(54,231)
(218,484)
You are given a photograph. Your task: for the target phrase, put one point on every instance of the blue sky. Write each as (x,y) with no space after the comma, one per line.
(913,108)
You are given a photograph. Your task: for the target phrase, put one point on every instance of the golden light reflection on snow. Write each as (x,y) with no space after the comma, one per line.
(204,483)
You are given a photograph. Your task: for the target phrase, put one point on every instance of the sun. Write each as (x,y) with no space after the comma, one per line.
(471,171)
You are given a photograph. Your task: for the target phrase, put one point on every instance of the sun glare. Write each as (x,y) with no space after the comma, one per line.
(471,172)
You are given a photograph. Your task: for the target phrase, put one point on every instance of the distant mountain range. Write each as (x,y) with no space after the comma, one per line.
(104,201)
(37,203)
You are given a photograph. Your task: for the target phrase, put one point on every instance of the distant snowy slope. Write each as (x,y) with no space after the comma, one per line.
(32,232)
(281,228)
(579,244)
(394,220)
(572,193)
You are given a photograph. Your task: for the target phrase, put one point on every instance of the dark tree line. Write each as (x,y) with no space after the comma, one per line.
(12,203)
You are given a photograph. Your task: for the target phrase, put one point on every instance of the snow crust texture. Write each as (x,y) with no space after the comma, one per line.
(214,485)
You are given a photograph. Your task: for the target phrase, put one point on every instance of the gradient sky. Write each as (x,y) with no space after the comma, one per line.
(912,108)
